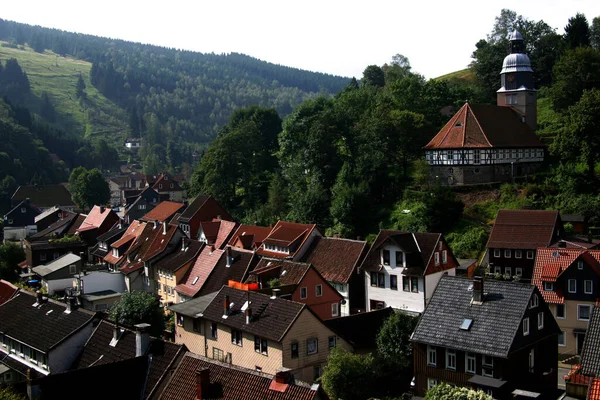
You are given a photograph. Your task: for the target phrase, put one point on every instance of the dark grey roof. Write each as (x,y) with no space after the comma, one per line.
(495,322)
(112,233)
(59,263)
(193,208)
(43,195)
(195,306)
(41,327)
(360,330)
(590,354)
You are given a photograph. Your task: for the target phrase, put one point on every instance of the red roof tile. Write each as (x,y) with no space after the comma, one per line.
(95,218)
(524,229)
(226,228)
(163,211)
(204,265)
(594,390)
(287,234)
(134,257)
(290,272)
(7,291)
(134,230)
(483,125)
(249,236)
(336,259)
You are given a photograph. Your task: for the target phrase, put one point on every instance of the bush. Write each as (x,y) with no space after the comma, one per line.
(468,244)
(444,391)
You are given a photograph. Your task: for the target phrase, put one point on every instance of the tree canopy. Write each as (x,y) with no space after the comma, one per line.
(138,307)
(443,391)
(88,188)
(11,254)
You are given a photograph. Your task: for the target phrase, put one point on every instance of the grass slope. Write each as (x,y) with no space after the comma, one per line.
(464,76)
(57,76)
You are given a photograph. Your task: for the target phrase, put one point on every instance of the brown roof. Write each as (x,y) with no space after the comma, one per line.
(249,236)
(207,206)
(221,274)
(44,196)
(135,256)
(7,290)
(96,219)
(287,234)
(163,211)
(133,232)
(484,126)
(336,259)
(180,257)
(202,268)
(228,382)
(290,272)
(523,229)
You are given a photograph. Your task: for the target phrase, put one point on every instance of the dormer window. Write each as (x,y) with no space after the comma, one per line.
(115,252)
(549,286)
(399,259)
(385,257)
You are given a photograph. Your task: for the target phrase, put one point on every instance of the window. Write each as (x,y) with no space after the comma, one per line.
(431,356)
(549,286)
(497,270)
(476,157)
(518,254)
(316,372)
(236,337)
(294,348)
(559,311)
(141,207)
(303,293)
(437,258)
(507,253)
(115,252)
(587,286)
(534,301)
(439,245)
(257,368)
(580,265)
(406,283)
(562,339)
(23,210)
(218,354)
(73,269)
(332,341)
(261,346)
(444,257)
(381,280)
(213,330)
(583,312)
(451,359)
(196,325)
(394,282)
(335,309)
(508,271)
(180,320)
(431,383)
(572,286)
(488,366)
(399,259)
(531,360)
(530,254)
(414,284)
(312,346)
(385,256)
(470,363)
(374,279)
(519,271)
(319,290)
(525,326)
(540,320)
(42,256)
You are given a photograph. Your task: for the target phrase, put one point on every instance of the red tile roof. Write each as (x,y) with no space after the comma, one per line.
(160,242)
(524,229)
(483,126)
(336,259)
(134,230)
(249,236)
(7,291)
(202,268)
(135,256)
(287,234)
(163,211)
(290,272)
(95,218)
(594,390)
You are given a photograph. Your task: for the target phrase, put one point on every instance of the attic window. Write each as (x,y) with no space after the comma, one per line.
(466,324)
(555,254)
(458,124)
(195,280)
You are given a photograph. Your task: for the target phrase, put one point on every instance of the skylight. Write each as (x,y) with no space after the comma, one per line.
(466,324)
(195,280)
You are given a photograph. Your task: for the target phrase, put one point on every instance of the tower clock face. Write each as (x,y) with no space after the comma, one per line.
(510,77)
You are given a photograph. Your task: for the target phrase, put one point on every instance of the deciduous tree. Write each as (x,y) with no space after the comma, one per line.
(88,188)
(11,254)
(443,391)
(138,307)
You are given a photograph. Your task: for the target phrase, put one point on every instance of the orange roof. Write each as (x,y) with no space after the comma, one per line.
(163,211)
(286,234)
(249,236)
(594,390)
(134,230)
(484,126)
(94,219)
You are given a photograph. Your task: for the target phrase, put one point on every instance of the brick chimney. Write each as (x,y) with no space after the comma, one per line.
(478,289)
(226,309)
(283,376)
(142,339)
(202,383)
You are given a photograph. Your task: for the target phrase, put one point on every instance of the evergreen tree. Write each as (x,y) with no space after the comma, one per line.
(80,88)
(577,31)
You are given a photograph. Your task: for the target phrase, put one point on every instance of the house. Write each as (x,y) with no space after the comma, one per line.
(116,185)
(338,261)
(402,269)
(515,237)
(249,237)
(163,212)
(172,269)
(496,336)
(110,344)
(216,232)
(195,278)
(569,280)
(288,240)
(19,222)
(361,330)
(133,144)
(167,186)
(44,196)
(202,209)
(58,275)
(50,216)
(256,331)
(150,195)
(579,223)
(44,335)
(105,241)
(98,221)
(127,255)
(139,207)
(200,378)
(115,250)
(299,282)
(492,143)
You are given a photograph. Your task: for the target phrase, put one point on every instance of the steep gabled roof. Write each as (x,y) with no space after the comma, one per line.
(166,181)
(242,263)
(134,256)
(290,272)
(163,211)
(43,196)
(590,353)
(207,206)
(181,256)
(484,126)
(336,259)
(60,227)
(95,219)
(523,229)
(287,234)
(200,271)
(249,237)
(360,330)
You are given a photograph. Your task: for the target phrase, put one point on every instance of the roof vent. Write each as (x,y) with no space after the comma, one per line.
(283,272)
(555,254)
(466,324)
(195,280)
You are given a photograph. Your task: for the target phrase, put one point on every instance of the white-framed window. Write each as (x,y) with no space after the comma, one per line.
(507,253)
(530,254)
(431,383)
(508,271)
(444,256)
(437,258)
(525,326)
(518,254)
(497,253)
(303,293)
(236,337)
(497,269)
(470,363)
(385,257)
(312,346)
(572,286)
(261,346)
(440,245)
(332,341)
(179,320)
(487,366)
(335,310)
(535,301)
(72,269)
(115,252)
(540,318)
(588,286)
(451,359)
(580,265)
(431,356)
(583,312)
(531,360)
(559,311)
(548,286)
(319,290)
(214,330)
(519,271)
(562,339)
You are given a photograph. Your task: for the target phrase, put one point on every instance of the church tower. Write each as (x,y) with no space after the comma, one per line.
(516,79)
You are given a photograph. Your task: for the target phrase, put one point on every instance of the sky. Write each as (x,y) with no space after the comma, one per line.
(331,36)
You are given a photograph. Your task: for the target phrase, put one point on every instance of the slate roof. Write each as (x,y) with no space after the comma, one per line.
(41,327)
(166,181)
(271,318)
(243,262)
(57,264)
(228,382)
(44,196)
(7,290)
(495,322)
(360,330)
(116,230)
(193,208)
(62,226)
(336,259)
(484,126)
(193,307)
(98,351)
(180,257)
(19,218)
(577,242)
(163,211)
(523,229)
(249,237)
(202,268)
(590,353)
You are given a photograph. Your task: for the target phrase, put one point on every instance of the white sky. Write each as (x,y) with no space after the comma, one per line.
(337,37)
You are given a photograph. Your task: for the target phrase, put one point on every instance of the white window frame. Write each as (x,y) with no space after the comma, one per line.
(335,309)
(473,358)
(518,254)
(431,356)
(498,269)
(507,253)
(525,326)
(564,313)
(540,320)
(508,271)
(534,302)
(580,265)
(519,271)
(319,290)
(530,254)
(436,258)
(562,335)
(548,286)
(316,346)
(574,281)
(431,383)
(305,290)
(497,253)
(451,359)
(487,364)
(585,289)
(579,306)
(444,256)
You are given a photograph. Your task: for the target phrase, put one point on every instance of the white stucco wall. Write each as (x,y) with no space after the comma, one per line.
(61,357)
(343,289)
(19,233)
(101,280)
(57,284)
(432,280)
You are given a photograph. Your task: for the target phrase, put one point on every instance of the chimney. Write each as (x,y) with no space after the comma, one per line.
(359,238)
(218,217)
(248,313)
(229,257)
(478,289)
(102,209)
(116,332)
(142,339)
(39,297)
(183,243)
(165,228)
(283,376)
(27,200)
(202,382)
(275,293)
(155,222)
(226,309)
(212,248)
(562,244)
